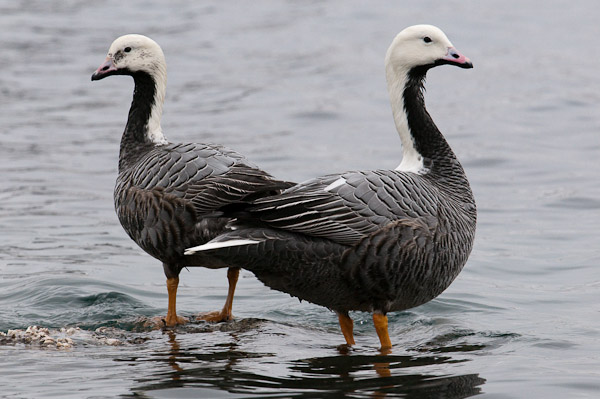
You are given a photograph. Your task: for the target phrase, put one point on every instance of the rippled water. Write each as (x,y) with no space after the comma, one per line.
(299,87)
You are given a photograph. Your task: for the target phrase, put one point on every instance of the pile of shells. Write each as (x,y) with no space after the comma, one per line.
(107,336)
(66,338)
(40,336)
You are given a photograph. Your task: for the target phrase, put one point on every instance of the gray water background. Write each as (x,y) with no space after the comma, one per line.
(299,87)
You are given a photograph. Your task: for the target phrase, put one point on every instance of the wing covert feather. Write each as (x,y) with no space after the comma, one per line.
(347,210)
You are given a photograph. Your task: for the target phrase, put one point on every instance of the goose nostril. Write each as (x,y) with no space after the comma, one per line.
(455,55)
(105,68)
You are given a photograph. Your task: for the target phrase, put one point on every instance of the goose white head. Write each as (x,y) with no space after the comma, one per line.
(133,54)
(423,46)
(416,48)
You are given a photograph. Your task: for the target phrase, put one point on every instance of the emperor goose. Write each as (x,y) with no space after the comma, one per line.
(374,241)
(165,190)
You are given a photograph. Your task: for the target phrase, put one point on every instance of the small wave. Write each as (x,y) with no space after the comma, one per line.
(576,203)
(71,300)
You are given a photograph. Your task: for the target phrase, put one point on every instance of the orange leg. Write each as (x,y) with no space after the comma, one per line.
(226,314)
(233,274)
(172,319)
(347,326)
(381,326)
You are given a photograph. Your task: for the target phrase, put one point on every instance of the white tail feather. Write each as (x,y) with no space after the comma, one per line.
(215,245)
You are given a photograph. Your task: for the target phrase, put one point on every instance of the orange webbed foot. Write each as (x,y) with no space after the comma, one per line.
(158,322)
(215,317)
(175,321)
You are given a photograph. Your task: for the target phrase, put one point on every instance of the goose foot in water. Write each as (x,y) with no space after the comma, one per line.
(226,313)
(174,321)
(217,316)
(160,322)
(344,349)
(381,326)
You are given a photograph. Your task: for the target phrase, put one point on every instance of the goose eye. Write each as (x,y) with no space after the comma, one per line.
(427,39)
(127,49)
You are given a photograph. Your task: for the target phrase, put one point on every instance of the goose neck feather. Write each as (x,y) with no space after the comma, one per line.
(425,151)
(427,140)
(411,159)
(143,123)
(421,140)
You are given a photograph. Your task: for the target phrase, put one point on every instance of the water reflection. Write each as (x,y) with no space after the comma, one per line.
(222,367)
(174,354)
(352,374)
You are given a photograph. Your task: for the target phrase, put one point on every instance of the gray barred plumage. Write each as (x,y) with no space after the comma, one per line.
(384,234)
(168,200)
(376,241)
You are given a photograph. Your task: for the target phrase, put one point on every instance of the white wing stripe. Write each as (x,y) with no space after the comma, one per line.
(216,245)
(335,184)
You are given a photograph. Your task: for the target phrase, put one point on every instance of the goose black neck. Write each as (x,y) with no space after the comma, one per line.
(428,140)
(134,138)
(141,106)
(445,169)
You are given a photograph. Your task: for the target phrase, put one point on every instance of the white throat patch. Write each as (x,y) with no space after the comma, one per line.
(154,132)
(412,160)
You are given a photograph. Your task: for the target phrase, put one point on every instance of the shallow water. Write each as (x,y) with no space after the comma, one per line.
(300,89)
